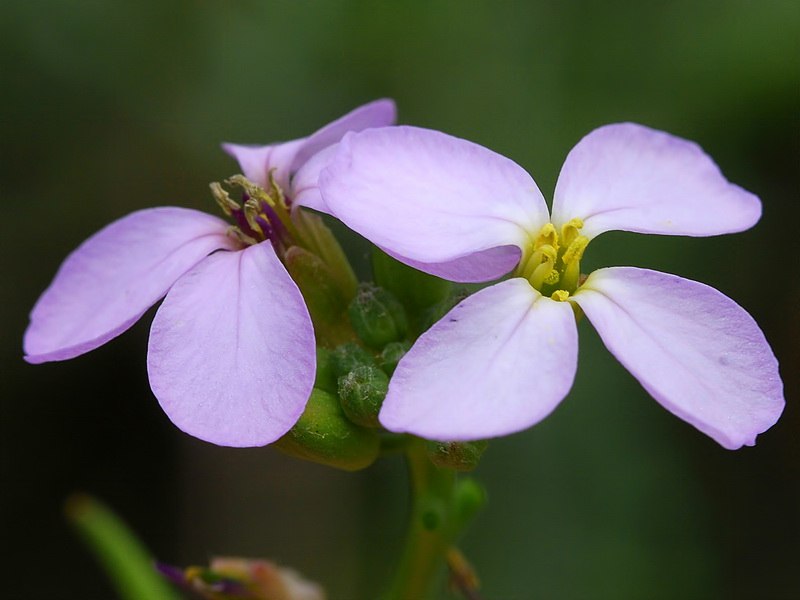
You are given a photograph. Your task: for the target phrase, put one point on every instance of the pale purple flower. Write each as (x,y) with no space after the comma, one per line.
(231,356)
(503,358)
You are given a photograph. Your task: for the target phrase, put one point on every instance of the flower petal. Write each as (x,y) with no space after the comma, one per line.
(430,197)
(257,161)
(632,178)
(104,286)
(476,267)
(379,113)
(287,157)
(497,363)
(231,355)
(305,184)
(693,349)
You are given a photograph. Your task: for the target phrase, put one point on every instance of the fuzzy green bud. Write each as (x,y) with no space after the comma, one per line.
(391,355)
(461,456)
(348,357)
(361,393)
(377,316)
(323,434)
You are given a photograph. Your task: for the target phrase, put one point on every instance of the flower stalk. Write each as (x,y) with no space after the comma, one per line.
(439,511)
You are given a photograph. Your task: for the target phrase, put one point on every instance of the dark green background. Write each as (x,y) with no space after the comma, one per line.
(108,107)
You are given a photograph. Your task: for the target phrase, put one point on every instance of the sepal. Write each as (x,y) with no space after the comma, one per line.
(325,299)
(377,316)
(323,434)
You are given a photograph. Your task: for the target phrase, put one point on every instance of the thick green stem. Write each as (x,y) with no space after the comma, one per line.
(433,527)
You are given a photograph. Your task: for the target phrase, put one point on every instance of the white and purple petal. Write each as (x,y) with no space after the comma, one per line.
(231,356)
(379,113)
(286,158)
(496,364)
(697,352)
(256,162)
(105,285)
(430,197)
(477,267)
(305,184)
(632,178)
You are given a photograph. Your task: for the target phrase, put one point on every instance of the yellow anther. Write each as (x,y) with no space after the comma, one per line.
(252,209)
(575,250)
(253,190)
(223,199)
(548,236)
(570,230)
(242,237)
(276,192)
(560,295)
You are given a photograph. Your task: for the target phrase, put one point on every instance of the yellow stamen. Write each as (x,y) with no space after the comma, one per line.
(548,236)
(575,250)
(252,209)
(569,231)
(223,199)
(560,295)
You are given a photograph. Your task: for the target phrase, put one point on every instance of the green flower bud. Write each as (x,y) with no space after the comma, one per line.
(347,358)
(391,355)
(377,316)
(323,434)
(361,393)
(461,456)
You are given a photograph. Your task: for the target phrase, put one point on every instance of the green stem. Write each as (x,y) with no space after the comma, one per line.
(125,559)
(433,526)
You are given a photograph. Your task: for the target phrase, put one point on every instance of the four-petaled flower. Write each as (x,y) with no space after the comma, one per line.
(503,358)
(231,356)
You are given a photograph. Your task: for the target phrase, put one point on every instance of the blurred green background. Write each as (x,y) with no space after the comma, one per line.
(108,107)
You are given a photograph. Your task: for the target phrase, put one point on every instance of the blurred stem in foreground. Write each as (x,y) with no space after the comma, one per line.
(123,557)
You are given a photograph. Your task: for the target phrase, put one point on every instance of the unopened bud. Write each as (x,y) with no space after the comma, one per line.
(361,393)
(325,435)
(391,355)
(461,456)
(377,316)
(349,357)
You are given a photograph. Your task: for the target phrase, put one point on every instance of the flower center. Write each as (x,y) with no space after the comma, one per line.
(551,262)
(262,215)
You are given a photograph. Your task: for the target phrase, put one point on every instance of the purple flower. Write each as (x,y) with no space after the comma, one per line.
(503,358)
(231,356)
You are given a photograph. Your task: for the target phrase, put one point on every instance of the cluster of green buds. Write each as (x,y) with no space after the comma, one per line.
(371,333)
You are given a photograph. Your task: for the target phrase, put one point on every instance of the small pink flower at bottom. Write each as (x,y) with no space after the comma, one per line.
(503,358)
(231,356)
